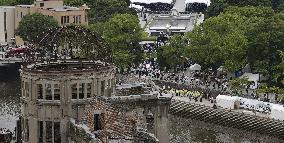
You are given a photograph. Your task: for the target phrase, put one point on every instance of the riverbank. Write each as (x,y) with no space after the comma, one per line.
(188,131)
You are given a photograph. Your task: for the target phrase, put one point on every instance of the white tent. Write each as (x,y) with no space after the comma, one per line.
(251,77)
(221,69)
(195,67)
(198,1)
(252,104)
(227,102)
(277,112)
(152,1)
(136,6)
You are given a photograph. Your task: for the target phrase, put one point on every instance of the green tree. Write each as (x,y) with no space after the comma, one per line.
(250,11)
(15,2)
(102,10)
(24,2)
(123,33)
(218,6)
(278,5)
(219,41)
(222,40)
(74,2)
(264,42)
(238,84)
(174,53)
(252,15)
(266,3)
(33,25)
(278,77)
(7,2)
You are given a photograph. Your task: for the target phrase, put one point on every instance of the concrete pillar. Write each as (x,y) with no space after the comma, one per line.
(64,130)
(43,88)
(68,106)
(99,87)
(161,122)
(95,86)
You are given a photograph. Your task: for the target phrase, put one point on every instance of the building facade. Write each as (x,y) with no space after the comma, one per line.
(7,24)
(172,22)
(50,98)
(64,15)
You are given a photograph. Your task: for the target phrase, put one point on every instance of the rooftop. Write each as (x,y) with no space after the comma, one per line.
(27,6)
(65,8)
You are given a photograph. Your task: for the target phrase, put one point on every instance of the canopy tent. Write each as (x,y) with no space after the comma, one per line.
(195,67)
(221,69)
(198,1)
(152,1)
(253,78)
(277,112)
(136,6)
(227,102)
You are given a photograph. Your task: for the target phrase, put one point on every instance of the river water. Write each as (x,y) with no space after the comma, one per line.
(181,130)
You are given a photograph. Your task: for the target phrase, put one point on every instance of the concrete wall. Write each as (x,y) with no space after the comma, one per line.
(10,23)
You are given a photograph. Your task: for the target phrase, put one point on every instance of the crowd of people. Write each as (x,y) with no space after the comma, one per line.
(192,84)
(207,83)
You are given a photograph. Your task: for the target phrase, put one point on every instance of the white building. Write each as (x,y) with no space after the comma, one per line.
(172,22)
(7,23)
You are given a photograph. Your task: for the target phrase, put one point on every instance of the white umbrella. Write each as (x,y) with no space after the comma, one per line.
(208,2)
(195,67)
(152,1)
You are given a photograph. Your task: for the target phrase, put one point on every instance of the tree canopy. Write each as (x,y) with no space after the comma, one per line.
(174,53)
(265,41)
(33,25)
(102,10)
(218,6)
(15,2)
(223,40)
(238,84)
(123,33)
(219,41)
(74,2)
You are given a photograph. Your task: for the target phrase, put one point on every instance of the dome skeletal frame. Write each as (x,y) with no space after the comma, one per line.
(76,42)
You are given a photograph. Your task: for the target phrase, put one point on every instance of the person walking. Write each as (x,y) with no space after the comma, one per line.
(189,96)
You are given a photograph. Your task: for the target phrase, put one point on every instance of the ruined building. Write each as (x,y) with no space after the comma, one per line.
(68,81)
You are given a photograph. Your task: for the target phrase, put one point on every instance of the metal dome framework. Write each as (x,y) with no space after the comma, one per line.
(68,43)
